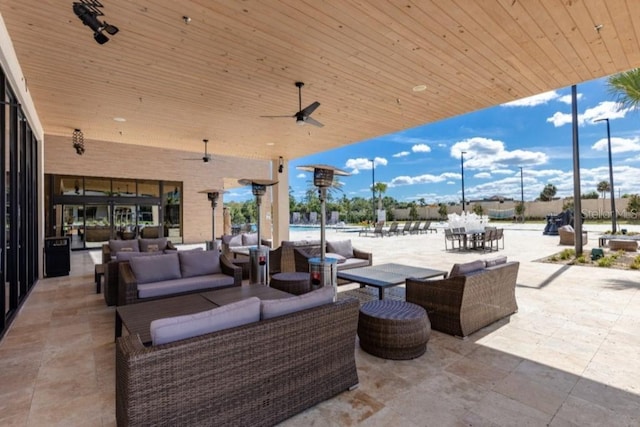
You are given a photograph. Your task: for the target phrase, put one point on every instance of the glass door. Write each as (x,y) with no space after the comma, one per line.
(98,228)
(73,225)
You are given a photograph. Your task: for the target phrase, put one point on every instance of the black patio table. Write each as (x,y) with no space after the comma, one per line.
(387,275)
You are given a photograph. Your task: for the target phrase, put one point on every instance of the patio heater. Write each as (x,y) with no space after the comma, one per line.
(213,196)
(258,255)
(323,270)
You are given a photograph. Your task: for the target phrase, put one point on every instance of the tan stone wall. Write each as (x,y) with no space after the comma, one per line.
(108,159)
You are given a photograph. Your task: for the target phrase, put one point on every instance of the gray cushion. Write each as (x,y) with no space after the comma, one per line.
(235,240)
(189,284)
(126,256)
(182,327)
(156,268)
(337,257)
(353,263)
(280,307)
(199,263)
(250,239)
(341,247)
(118,245)
(151,245)
(495,261)
(468,267)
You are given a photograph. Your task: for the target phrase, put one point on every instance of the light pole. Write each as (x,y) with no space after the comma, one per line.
(613,195)
(462,153)
(373,189)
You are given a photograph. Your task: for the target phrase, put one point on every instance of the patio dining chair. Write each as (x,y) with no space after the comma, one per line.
(498,237)
(450,237)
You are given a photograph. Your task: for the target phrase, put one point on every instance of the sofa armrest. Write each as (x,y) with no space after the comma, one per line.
(106,253)
(127,284)
(170,246)
(231,269)
(363,255)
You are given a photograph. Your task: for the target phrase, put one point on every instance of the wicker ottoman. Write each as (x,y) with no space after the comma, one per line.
(293,283)
(392,329)
(623,245)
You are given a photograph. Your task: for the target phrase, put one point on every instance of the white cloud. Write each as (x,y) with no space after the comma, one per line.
(605,109)
(442,145)
(490,154)
(421,179)
(450,182)
(502,171)
(566,99)
(534,100)
(401,154)
(482,175)
(301,175)
(362,163)
(421,148)
(618,145)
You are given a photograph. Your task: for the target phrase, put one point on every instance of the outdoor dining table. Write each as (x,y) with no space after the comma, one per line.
(470,236)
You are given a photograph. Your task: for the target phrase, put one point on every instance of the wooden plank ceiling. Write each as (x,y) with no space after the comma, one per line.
(176,83)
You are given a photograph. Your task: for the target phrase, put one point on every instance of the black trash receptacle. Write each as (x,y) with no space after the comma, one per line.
(57,256)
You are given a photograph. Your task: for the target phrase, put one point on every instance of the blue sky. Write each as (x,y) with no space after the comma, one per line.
(535,133)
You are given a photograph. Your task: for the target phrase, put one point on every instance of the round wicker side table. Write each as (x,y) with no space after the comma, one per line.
(393,329)
(294,283)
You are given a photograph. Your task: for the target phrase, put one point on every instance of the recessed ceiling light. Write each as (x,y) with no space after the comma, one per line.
(119,119)
(419,88)
(271,143)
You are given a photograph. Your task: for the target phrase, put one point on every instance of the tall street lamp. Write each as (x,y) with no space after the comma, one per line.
(462,153)
(373,190)
(613,196)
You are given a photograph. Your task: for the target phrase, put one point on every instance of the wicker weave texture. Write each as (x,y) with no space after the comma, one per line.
(461,305)
(393,329)
(254,375)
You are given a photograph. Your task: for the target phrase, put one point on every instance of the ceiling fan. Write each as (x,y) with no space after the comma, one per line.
(304,114)
(207,157)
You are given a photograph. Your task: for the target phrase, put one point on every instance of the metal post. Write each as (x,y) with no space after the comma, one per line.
(462,153)
(577,201)
(373,191)
(521,193)
(614,225)
(323,211)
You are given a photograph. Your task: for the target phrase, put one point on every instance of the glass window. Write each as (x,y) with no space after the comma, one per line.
(97,186)
(148,188)
(124,187)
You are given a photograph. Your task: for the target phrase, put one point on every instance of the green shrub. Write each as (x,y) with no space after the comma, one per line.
(567,254)
(605,262)
(581,259)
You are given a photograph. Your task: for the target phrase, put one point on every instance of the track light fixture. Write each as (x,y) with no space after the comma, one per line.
(78,141)
(280,164)
(88,12)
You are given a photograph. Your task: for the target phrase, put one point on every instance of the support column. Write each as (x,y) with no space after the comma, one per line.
(280,206)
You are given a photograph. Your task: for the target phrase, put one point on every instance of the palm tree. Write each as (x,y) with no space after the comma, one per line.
(625,87)
(380,188)
(603,187)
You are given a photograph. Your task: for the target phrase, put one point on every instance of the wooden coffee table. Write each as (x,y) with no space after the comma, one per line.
(137,318)
(387,275)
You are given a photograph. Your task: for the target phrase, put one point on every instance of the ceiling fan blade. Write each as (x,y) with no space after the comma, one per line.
(310,109)
(313,121)
(277,117)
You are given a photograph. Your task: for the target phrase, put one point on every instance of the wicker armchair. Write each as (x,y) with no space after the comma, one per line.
(461,305)
(568,236)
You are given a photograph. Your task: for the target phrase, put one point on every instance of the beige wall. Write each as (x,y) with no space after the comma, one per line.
(592,208)
(108,159)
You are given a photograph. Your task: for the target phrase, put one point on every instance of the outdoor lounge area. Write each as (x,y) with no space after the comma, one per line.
(562,359)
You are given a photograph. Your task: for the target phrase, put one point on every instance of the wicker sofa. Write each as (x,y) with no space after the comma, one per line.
(146,278)
(471,298)
(257,374)
(117,251)
(239,244)
(353,257)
